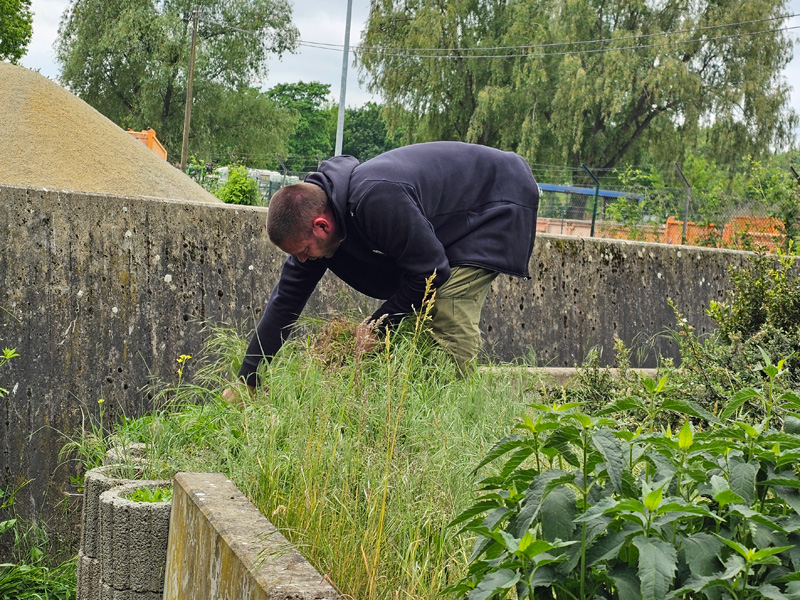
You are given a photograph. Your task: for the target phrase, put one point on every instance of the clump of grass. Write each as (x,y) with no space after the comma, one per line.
(27,576)
(361,465)
(146,494)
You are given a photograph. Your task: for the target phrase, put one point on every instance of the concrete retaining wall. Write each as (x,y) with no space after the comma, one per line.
(221,546)
(98,293)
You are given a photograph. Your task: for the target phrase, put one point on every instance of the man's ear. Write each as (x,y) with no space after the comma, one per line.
(321,225)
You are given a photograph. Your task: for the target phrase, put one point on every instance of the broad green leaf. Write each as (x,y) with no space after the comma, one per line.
(558,512)
(653,500)
(494,584)
(607,547)
(544,576)
(735,401)
(686,436)
(742,479)
(495,516)
(772,593)
(685,407)
(791,425)
(701,552)
(505,445)
(474,510)
(516,460)
(584,420)
(789,400)
(792,590)
(734,545)
(728,497)
(759,555)
(561,440)
(621,405)
(782,481)
(609,446)
(657,566)
(748,429)
(790,496)
(531,504)
(626,582)
(754,515)
(510,542)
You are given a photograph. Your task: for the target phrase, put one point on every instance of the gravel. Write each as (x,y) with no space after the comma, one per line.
(53,139)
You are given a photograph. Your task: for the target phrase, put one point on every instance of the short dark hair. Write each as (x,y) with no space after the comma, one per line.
(292,210)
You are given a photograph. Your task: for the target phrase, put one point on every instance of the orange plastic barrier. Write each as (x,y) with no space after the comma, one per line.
(148,138)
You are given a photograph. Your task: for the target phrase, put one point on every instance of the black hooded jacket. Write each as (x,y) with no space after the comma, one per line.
(404,215)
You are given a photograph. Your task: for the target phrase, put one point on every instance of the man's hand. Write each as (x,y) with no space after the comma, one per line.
(234,393)
(366,338)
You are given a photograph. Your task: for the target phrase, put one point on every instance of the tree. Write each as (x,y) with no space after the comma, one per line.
(129,60)
(312,135)
(586,81)
(15,29)
(365,132)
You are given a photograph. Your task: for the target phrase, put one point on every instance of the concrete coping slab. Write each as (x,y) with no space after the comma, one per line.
(563,376)
(221,546)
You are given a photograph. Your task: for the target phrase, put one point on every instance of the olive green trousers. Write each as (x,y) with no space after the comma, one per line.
(456,313)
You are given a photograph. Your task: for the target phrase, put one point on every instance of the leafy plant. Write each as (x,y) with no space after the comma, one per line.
(579,507)
(8,354)
(239,188)
(146,494)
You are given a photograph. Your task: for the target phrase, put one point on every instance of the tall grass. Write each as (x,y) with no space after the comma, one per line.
(361,462)
(28,576)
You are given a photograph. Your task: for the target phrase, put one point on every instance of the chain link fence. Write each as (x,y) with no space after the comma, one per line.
(765,216)
(638,205)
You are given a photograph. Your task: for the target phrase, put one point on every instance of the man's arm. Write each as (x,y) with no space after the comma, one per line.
(286,302)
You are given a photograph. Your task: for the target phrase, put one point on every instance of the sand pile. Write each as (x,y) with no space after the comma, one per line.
(52,139)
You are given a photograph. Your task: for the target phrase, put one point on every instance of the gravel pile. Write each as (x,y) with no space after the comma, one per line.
(54,140)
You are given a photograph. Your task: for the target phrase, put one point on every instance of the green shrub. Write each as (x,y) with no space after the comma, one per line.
(581,507)
(238,188)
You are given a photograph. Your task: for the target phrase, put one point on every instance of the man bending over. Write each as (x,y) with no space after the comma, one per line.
(462,211)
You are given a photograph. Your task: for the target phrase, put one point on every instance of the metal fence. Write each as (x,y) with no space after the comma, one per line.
(671,214)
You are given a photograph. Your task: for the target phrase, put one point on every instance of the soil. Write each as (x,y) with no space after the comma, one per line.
(53,139)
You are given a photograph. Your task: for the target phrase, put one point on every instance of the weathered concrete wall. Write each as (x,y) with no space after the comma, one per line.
(220,546)
(97,293)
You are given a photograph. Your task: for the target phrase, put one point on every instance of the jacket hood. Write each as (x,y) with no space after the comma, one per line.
(333,176)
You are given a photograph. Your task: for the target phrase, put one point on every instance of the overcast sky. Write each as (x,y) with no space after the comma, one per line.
(318,21)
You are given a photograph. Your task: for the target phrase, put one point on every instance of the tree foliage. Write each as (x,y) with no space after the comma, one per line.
(15,29)
(365,132)
(315,121)
(585,81)
(129,60)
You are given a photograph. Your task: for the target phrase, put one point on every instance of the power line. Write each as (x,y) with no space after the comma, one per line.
(330,46)
(459,56)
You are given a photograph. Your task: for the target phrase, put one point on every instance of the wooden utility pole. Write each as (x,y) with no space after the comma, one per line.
(187,115)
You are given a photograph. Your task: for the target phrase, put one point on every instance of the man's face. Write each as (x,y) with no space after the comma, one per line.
(312,248)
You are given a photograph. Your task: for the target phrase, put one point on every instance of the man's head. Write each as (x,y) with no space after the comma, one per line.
(300,221)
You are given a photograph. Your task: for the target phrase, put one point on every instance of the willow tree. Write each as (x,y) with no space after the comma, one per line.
(15,29)
(129,59)
(600,82)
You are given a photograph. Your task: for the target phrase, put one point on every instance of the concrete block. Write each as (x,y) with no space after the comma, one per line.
(133,539)
(109,593)
(129,453)
(221,546)
(96,482)
(88,577)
